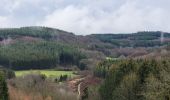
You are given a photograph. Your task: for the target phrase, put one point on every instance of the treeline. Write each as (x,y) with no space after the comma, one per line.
(137,80)
(40,32)
(139,39)
(136,43)
(38,55)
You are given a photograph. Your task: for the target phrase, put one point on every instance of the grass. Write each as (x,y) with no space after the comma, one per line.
(48,73)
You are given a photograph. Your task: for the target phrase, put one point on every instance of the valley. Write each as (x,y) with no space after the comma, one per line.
(42,63)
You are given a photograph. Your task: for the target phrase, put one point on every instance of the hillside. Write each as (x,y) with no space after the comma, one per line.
(37,48)
(49,34)
(64,66)
(43,47)
(139,39)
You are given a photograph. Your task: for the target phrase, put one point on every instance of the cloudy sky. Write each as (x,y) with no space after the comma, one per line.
(88,16)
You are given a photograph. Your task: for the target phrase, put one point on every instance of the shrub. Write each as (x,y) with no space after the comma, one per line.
(3,87)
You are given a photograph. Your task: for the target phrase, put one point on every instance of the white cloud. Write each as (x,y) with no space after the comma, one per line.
(129,17)
(88,16)
(71,19)
(4,22)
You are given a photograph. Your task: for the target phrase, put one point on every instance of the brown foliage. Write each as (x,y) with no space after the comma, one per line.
(33,87)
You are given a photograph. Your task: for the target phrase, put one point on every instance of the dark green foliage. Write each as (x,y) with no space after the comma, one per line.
(40,32)
(45,52)
(139,39)
(137,80)
(116,77)
(56,80)
(3,87)
(82,66)
(38,55)
(43,76)
(63,78)
(8,73)
(103,67)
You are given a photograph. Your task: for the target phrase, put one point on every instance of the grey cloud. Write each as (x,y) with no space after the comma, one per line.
(88,16)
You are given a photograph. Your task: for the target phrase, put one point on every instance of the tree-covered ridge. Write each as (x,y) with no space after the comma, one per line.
(104,44)
(137,80)
(38,55)
(139,39)
(40,32)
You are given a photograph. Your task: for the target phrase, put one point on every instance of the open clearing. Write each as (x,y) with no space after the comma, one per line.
(48,73)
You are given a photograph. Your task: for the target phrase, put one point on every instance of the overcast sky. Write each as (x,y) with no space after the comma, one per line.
(88,16)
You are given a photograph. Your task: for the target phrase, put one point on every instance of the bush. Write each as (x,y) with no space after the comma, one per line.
(63,78)
(3,87)
(9,74)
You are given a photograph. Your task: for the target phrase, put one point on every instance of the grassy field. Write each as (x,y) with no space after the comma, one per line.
(48,73)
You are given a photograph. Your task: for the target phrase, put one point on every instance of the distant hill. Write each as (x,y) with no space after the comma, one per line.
(49,34)
(38,48)
(139,39)
(43,47)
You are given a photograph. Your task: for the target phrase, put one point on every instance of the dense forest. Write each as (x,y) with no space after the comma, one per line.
(134,66)
(38,55)
(48,47)
(139,39)
(38,48)
(135,80)
(43,47)
(40,32)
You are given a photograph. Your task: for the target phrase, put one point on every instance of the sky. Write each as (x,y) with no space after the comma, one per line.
(88,16)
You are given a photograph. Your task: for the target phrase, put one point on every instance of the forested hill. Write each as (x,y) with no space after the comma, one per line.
(139,39)
(38,48)
(48,34)
(39,32)
(43,47)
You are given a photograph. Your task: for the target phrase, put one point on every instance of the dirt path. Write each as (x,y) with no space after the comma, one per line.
(79,84)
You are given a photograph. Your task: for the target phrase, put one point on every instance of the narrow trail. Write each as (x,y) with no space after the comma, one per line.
(79,90)
(78,85)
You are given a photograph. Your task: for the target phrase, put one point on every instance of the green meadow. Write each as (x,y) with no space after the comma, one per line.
(48,73)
